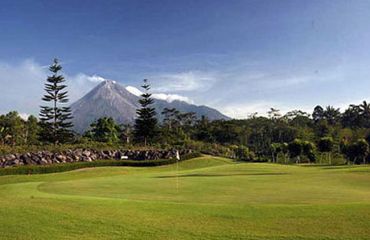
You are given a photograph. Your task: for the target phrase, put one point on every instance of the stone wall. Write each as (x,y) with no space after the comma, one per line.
(84,155)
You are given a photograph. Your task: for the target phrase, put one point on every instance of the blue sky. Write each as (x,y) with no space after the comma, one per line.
(238,56)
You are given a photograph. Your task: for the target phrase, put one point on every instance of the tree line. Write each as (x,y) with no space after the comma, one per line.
(323,136)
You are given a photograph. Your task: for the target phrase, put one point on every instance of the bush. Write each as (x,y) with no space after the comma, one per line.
(242,153)
(190,156)
(295,148)
(209,148)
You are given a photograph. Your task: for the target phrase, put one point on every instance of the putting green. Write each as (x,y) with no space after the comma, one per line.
(203,198)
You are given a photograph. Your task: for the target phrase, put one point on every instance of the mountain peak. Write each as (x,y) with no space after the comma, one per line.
(108,82)
(111,99)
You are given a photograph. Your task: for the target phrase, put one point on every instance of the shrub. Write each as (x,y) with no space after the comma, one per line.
(242,153)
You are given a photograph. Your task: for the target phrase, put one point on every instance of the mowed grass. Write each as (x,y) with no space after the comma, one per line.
(202,198)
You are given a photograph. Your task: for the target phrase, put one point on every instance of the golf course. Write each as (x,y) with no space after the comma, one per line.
(202,198)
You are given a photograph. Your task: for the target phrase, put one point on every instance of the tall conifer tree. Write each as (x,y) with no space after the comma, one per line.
(146,121)
(55,118)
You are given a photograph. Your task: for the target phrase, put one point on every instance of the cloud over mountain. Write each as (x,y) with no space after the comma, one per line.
(111,99)
(160,96)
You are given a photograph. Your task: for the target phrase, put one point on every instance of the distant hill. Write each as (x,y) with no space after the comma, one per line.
(111,99)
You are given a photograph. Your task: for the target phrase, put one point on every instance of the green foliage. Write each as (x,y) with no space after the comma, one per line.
(308,149)
(356,152)
(32,131)
(325,144)
(242,153)
(12,129)
(104,130)
(176,126)
(357,116)
(295,148)
(56,117)
(299,148)
(146,121)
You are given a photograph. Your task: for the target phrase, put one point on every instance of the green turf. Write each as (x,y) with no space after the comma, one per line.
(203,198)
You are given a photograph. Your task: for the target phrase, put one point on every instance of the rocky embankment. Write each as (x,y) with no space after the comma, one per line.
(84,155)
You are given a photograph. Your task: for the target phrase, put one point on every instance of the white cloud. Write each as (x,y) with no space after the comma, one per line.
(183,81)
(22,86)
(161,96)
(80,84)
(244,110)
(96,78)
(134,90)
(171,97)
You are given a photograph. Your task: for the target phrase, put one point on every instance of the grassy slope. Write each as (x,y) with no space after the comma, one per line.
(212,198)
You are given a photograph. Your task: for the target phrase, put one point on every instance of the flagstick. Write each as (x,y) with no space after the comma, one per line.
(177,171)
(177,176)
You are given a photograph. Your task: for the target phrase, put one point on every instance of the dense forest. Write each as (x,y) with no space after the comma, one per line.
(326,135)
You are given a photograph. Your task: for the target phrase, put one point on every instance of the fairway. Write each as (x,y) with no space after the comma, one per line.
(202,198)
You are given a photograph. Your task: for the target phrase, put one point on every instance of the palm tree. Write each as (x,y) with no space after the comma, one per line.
(364,110)
(332,115)
(352,117)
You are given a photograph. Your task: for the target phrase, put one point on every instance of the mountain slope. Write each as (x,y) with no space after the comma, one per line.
(111,99)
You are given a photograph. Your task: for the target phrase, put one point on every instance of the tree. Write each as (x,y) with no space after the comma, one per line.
(284,151)
(295,149)
(325,145)
(203,130)
(187,119)
(274,114)
(357,151)
(56,119)
(332,115)
(32,130)
(308,149)
(242,153)
(318,113)
(146,122)
(322,128)
(298,118)
(362,149)
(275,150)
(12,129)
(104,130)
(127,133)
(170,119)
(365,114)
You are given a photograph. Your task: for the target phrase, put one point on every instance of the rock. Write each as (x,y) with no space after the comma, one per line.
(86,155)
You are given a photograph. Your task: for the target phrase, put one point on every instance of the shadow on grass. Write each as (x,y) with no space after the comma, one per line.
(222,175)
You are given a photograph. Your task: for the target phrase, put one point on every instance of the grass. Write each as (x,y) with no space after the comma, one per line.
(202,198)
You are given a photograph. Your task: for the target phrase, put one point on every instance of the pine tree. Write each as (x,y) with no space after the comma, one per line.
(55,120)
(146,121)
